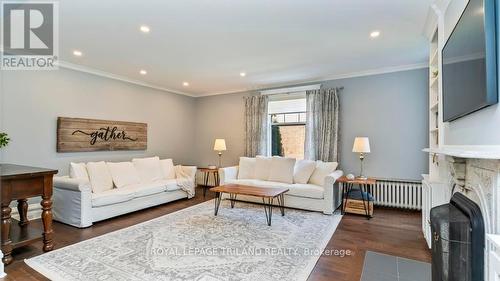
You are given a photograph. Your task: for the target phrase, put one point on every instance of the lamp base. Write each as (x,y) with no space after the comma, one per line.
(361,178)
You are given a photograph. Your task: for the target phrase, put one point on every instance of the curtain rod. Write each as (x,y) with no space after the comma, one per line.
(289,93)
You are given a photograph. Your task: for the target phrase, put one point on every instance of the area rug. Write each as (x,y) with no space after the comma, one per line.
(193,244)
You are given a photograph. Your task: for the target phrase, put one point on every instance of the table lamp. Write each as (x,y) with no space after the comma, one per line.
(220,145)
(361,146)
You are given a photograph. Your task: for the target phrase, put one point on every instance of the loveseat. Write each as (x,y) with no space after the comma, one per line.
(97,191)
(312,184)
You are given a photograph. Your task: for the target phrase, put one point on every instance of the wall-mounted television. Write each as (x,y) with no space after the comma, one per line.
(470,62)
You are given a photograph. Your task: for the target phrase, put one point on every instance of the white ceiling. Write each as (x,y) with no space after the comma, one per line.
(209,42)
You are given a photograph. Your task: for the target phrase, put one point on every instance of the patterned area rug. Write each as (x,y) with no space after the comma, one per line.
(193,244)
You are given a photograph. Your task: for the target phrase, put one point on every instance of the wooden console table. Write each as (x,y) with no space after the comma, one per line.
(20,183)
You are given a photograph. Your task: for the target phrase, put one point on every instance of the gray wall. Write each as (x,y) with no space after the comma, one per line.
(388,108)
(391,109)
(31,101)
(481,127)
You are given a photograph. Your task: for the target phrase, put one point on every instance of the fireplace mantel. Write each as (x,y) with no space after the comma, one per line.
(491,152)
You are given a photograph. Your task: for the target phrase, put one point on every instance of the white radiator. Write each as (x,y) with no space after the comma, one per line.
(398,193)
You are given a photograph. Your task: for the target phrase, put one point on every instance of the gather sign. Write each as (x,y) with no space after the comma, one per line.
(81,135)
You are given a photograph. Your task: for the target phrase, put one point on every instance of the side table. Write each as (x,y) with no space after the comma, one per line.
(20,183)
(364,188)
(206,175)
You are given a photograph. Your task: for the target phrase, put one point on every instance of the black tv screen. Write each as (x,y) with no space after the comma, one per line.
(469,62)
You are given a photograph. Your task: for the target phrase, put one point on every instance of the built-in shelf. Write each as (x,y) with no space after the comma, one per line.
(434,58)
(472,151)
(433,82)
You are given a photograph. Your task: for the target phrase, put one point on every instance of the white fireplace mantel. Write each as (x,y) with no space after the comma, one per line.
(491,152)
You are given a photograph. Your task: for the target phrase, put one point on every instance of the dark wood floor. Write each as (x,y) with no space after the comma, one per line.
(391,231)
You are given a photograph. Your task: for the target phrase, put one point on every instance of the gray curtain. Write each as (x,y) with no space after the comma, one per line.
(256,125)
(322,126)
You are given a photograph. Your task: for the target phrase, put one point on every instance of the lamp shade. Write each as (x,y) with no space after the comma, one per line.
(361,145)
(220,145)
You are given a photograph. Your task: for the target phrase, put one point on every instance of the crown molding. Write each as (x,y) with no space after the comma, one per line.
(97,72)
(370,72)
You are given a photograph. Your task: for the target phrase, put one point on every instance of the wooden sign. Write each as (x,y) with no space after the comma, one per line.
(80,135)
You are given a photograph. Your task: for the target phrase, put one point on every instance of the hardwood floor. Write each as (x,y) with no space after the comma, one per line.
(391,231)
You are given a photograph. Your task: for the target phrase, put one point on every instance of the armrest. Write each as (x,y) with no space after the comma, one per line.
(72,184)
(333,195)
(228,173)
(190,170)
(332,178)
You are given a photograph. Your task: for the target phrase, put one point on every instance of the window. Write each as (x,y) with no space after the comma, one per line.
(287,118)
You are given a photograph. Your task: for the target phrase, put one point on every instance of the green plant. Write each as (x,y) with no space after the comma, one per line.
(4,139)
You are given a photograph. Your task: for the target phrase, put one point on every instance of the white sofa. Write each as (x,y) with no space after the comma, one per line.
(319,194)
(78,202)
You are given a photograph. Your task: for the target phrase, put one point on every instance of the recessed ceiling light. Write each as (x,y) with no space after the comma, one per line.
(77,53)
(185,84)
(243,74)
(375,34)
(143,72)
(145,28)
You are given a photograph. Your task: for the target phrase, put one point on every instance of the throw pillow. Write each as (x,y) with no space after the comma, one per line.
(303,171)
(167,169)
(282,169)
(100,177)
(322,170)
(262,167)
(78,171)
(149,169)
(246,169)
(123,174)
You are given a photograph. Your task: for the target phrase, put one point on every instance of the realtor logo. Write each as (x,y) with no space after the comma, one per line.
(29,35)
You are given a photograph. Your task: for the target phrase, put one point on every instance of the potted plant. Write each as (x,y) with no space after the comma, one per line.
(4,139)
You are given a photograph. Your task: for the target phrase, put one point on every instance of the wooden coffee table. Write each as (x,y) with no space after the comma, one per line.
(267,194)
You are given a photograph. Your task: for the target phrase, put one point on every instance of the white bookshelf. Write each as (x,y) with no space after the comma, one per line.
(434,105)
(433,189)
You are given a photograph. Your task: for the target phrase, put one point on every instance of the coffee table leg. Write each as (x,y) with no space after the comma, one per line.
(268,209)
(281,203)
(232,197)
(218,197)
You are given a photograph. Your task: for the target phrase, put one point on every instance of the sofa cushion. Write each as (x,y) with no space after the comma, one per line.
(297,190)
(100,177)
(281,169)
(262,167)
(113,196)
(123,173)
(322,170)
(246,169)
(259,183)
(149,169)
(78,171)
(171,185)
(306,190)
(167,169)
(145,189)
(303,170)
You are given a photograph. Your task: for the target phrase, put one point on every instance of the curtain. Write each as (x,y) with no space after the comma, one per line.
(256,125)
(322,125)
